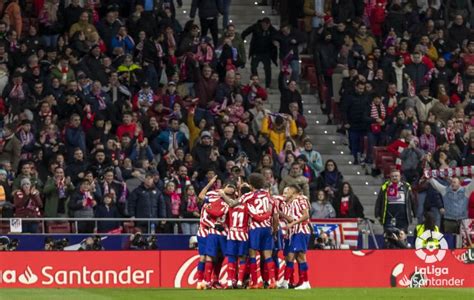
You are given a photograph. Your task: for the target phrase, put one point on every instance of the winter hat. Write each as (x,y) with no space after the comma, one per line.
(25,181)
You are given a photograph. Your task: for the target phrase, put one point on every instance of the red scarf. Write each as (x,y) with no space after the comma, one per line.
(392,190)
(192,204)
(175,203)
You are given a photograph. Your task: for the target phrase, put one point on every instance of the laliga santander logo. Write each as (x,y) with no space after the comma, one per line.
(431,246)
(186,275)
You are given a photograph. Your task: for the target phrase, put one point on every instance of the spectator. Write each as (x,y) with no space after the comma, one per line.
(261,47)
(146,201)
(417,70)
(83,25)
(315,161)
(330,180)
(455,199)
(11,148)
(288,40)
(358,119)
(82,204)
(12,9)
(395,206)
(28,204)
(189,210)
(289,94)
(347,204)
(208,15)
(277,133)
(57,191)
(295,177)
(107,209)
(322,208)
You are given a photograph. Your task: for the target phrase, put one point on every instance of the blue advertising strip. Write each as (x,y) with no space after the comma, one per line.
(109,242)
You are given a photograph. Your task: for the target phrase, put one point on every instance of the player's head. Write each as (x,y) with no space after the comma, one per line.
(245,188)
(230,188)
(286,193)
(293,190)
(257,181)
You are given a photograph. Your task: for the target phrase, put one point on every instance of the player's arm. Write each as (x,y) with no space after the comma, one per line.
(305,217)
(204,191)
(276,222)
(231,202)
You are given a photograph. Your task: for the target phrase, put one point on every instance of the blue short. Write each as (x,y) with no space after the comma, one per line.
(215,244)
(261,239)
(279,242)
(202,245)
(299,243)
(237,248)
(286,247)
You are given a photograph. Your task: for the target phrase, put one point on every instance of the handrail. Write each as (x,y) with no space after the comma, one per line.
(149,221)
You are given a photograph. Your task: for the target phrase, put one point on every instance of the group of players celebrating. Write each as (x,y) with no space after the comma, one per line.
(242,221)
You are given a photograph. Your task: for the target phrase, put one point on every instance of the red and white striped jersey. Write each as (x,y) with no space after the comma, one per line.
(238,220)
(204,222)
(261,207)
(217,211)
(296,209)
(280,203)
(211,196)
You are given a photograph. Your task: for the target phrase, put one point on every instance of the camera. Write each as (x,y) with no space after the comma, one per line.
(55,245)
(93,243)
(8,245)
(140,242)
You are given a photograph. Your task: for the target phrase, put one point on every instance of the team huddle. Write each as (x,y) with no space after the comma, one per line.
(242,221)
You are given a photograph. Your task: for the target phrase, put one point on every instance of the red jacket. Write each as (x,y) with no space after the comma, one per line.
(130,129)
(377,18)
(393,147)
(261,92)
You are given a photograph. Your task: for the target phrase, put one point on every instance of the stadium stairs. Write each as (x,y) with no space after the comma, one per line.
(326,140)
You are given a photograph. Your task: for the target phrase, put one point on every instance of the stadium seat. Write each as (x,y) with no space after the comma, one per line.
(4,227)
(63,227)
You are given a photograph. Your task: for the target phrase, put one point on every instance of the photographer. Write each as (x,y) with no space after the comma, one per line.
(323,242)
(92,244)
(396,238)
(140,242)
(55,245)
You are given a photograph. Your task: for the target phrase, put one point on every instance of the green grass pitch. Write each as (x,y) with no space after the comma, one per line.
(188,294)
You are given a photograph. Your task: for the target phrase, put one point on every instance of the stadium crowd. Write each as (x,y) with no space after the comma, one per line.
(115,109)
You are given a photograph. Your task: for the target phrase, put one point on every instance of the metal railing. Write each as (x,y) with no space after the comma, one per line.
(151,223)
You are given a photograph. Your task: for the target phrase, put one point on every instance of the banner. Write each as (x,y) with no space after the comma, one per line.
(79,269)
(346,268)
(341,231)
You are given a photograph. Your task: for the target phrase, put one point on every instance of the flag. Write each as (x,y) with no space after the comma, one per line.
(467,232)
(341,231)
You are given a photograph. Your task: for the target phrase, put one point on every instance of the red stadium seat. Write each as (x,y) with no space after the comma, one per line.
(64,227)
(4,227)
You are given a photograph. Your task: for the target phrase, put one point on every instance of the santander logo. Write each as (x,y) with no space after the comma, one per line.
(28,277)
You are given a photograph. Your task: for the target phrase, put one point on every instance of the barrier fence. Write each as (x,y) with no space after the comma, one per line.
(352,233)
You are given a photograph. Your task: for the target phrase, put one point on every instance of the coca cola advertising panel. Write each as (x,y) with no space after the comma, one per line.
(91,269)
(345,268)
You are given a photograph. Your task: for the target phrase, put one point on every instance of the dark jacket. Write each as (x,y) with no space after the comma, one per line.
(288,97)
(262,41)
(207,8)
(322,183)
(103,211)
(417,73)
(356,210)
(146,203)
(357,112)
(290,42)
(381,205)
